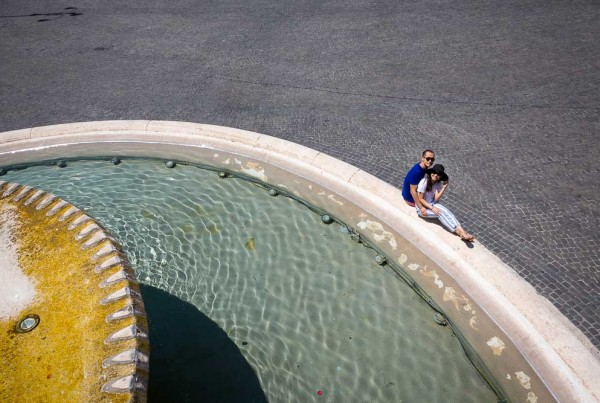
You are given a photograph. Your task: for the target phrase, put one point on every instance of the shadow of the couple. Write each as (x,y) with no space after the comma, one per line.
(191,358)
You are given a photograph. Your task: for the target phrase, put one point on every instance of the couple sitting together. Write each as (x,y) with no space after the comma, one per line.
(424,186)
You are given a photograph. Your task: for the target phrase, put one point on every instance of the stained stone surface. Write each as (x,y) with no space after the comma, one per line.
(56,343)
(506,93)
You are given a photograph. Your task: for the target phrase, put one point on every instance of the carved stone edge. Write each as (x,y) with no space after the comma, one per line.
(88,233)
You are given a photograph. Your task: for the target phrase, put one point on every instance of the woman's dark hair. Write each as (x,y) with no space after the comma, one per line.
(429,182)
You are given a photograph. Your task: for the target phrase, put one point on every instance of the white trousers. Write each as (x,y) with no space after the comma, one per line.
(446,217)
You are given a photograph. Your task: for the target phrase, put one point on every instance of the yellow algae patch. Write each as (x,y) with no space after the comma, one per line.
(61,359)
(250,244)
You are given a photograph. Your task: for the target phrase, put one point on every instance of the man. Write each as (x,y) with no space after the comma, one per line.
(412,179)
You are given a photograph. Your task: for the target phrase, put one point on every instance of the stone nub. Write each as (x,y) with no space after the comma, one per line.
(79,220)
(130,356)
(125,312)
(21,193)
(108,263)
(87,230)
(95,239)
(10,189)
(56,208)
(45,202)
(70,211)
(126,384)
(117,295)
(128,332)
(114,278)
(105,250)
(34,197)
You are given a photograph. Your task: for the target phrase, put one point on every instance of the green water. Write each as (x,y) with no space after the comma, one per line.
(252,298)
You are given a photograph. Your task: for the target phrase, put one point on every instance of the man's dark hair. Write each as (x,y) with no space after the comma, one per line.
(427,151)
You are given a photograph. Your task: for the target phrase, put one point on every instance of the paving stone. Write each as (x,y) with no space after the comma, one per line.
(505,92)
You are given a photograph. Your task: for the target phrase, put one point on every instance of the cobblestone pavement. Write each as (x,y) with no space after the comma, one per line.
(506,93)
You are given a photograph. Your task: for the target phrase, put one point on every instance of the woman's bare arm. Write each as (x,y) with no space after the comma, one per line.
(438,195)
(426,204)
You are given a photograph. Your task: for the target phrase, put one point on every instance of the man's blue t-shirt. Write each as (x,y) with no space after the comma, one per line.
(413,177)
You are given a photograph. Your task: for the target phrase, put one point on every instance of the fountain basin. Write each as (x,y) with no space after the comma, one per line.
(499,315)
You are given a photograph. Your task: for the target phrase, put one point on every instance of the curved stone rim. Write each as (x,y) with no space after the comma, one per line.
(88,233)
(563,358)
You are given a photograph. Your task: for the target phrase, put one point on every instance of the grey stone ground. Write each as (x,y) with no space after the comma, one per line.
(506,92)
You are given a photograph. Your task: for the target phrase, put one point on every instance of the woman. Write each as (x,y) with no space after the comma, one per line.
(430,191)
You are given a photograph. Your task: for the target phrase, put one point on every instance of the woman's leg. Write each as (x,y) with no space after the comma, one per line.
(430,214)
(446,217)
(451,223)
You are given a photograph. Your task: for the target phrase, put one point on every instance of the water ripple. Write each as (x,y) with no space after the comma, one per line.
(307,307)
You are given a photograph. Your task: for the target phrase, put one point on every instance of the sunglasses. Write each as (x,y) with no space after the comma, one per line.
(430,159)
